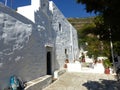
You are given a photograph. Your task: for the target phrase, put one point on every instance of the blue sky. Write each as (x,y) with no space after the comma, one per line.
(68,7)
(72,9)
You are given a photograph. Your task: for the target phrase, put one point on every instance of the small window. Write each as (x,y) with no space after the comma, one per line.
(44,5)
(60,27)
(65,51)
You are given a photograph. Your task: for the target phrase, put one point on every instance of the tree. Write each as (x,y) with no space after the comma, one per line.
(89,33)
(109,9)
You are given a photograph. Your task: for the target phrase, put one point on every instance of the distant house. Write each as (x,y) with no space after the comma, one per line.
(34,41)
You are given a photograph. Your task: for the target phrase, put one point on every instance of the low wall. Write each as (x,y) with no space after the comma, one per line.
(74,67)
(39,83)
(58,73)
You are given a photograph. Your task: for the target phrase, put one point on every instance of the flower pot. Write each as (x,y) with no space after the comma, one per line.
(65,65)
(107,71)
(66,61)
(83,60)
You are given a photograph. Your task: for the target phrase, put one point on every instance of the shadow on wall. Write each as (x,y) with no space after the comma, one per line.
(19,61)
(45,29)
(102,84)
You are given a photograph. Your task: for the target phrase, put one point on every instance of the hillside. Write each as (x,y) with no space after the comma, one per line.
(79,22)
(87,38)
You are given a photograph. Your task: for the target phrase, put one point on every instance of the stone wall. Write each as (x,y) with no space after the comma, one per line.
(23,46)
(66,37)
(25,43)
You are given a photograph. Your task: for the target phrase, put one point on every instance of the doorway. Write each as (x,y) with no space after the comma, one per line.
(49,63)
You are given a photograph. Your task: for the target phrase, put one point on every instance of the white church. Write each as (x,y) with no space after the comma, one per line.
(35,41)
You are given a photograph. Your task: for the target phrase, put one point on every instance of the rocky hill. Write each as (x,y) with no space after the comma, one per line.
(79,22)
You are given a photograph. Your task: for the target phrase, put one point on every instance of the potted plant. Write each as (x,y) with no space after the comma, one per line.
(66,61)
(107,65)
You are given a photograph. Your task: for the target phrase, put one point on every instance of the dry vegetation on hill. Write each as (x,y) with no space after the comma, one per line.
(78,23)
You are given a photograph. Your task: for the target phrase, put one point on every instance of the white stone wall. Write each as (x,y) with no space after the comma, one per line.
(23,46)
(66,37)
(25,41)
(29,11)
(75,44)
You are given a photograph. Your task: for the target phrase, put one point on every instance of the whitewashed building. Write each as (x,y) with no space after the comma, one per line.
(34,41)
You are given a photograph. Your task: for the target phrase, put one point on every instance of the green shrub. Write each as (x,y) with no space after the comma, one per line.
(107,63)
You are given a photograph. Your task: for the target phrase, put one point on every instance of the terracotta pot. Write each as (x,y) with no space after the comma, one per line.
(66,61)
(65,65)
(83,60)
(107,71)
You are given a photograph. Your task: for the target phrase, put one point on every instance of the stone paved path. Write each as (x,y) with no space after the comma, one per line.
(84,81)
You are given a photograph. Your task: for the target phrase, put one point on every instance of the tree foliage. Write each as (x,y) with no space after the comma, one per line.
(95,46)
(109,17)
(109,9)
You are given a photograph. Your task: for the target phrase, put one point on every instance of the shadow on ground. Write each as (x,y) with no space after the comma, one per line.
(102,84)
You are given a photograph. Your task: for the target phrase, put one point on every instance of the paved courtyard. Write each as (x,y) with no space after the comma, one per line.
(84,81)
